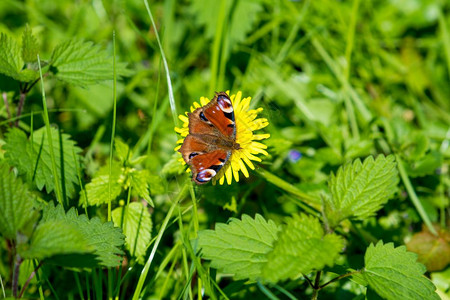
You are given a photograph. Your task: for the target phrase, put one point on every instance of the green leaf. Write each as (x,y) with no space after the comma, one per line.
(16,207)
(394,273)
(358,190)
(427,165)
(32,158)
(30,46)
(103,238)
(239,247)
(82,63)
(55,237)
(139,184)
(122,150)
(98,189)
(300,248)
(416,146)
(137,226)
(11,63)
(243,10)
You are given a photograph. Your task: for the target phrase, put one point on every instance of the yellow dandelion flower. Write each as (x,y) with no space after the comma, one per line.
(246,122)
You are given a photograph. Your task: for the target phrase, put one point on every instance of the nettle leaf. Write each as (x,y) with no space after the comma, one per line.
(30,46)
(358,190)
(98,189)
(83,63)
(137,226)
(32,158)
(239,247)
(300,248)
(139,180)
(16,208)
(394,273)
(11,62)
(103,239)
(55,237)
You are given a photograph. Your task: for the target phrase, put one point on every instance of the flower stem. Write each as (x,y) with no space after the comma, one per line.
(15,281)
(316,286)
(338,278)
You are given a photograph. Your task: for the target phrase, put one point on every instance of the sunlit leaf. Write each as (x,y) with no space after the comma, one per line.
(137,227)
(239,247)
(16,207)
(394,273)
(358,190)
(301,246)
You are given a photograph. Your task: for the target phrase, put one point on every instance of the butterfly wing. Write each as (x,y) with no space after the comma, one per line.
(205,160)
(206,166)
(216,116)
(211,138)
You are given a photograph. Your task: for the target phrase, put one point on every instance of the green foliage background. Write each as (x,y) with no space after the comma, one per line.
(339,81)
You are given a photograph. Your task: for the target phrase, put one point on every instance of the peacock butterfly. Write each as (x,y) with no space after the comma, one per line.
(211,138)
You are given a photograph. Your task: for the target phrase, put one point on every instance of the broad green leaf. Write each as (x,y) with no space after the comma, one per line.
(55,237)
(29,46)
(32,158)
(139,184)
(82,63)
(137,226)
(16,207)
(302,246)
(239,247)
(11,63)
(104,239)
(99,188)
(358,190)
(394,273)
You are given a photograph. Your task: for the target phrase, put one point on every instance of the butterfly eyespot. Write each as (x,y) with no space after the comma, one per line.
(203,118)
(193,154)
(205,175)
(225,104)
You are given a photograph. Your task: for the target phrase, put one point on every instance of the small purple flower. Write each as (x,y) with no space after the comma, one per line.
(294,155)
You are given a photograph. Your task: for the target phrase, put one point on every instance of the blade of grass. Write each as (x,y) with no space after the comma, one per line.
(50,140)
(111,152)
(445,36)
(351,38)
(286,186)
(146,268)
(266,291)
(216,47)
(77,281)
(184,238)
(113,129)
(413,196)
(293,36)
(3,287)
(348,56)
(363,110)
(166,68)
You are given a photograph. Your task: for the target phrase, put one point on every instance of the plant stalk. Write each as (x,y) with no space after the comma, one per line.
(15,281)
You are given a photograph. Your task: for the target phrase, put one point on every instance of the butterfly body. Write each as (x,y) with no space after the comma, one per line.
(211,138)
